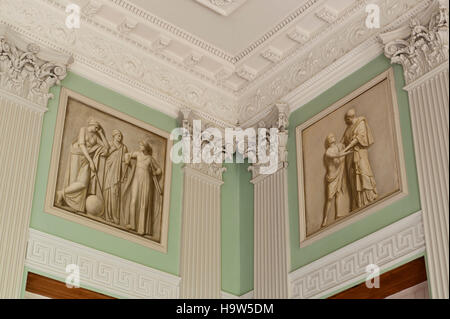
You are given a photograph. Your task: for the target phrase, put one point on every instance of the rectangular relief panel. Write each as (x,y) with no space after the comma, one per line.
(350,159)
(110,171)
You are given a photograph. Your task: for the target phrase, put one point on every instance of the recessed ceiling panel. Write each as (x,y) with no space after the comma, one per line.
(232,33)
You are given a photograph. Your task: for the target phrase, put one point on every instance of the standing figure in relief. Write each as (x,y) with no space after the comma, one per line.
(115,177)
(142,197)
(81,174)
(358,137)
(336,178)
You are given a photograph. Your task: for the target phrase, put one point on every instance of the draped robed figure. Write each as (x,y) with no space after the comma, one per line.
(358,137)
(142,198)
(81,173)
(115,180)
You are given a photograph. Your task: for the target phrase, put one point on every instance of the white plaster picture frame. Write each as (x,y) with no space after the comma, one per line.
(355,215)
(112,116)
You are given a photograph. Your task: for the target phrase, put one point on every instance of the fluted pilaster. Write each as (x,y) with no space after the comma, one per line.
(25,79)
(200,268)
(271,235)
(422,50)
(271,241)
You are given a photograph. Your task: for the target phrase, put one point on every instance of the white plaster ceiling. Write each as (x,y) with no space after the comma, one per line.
(231,33)
(230,51)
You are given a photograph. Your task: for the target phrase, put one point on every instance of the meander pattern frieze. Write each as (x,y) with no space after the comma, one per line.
(351,266)
(102,271)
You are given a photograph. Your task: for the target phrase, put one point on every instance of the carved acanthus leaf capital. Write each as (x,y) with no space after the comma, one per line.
(28,72)
(421,46)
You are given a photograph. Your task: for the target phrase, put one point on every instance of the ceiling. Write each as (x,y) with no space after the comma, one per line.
(233,33)
(230,51)
(229,60)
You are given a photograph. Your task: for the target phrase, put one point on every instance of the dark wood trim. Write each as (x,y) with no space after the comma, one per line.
(55,289)
(391,282)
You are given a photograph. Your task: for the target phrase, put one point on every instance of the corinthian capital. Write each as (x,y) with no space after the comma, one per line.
(27,70)
(422,45)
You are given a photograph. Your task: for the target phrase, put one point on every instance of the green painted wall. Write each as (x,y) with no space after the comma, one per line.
(237,229)
(87,236)
(388,215)
(237,191)
(246,228)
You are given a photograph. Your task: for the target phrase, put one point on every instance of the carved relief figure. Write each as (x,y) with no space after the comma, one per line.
(358,137)
(336,178)
(116,171)
(106,176)
(143,198)
(81,175)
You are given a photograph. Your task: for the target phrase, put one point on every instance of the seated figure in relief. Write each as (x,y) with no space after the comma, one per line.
(81,173)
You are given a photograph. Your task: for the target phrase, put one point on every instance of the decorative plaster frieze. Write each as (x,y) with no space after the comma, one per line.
(385,248)
(110,274)
(96,50)
(298,35)
(272,54)
(327,14)
(323,50)
(161,43)
(246,73)
(126,26)
(95,47)
(223,7)
(26,71)
(91,8)
(421,46)
(193,59)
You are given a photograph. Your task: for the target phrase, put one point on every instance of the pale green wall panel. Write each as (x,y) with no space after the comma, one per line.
(246,228)
(237,191)
(237,229)
(230,236)
(382,218)
(87,236)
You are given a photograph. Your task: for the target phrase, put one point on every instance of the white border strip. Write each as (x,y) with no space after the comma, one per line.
(386,247)
(107,273)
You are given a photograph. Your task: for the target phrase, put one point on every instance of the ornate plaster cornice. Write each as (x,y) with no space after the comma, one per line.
(27,71)
(422,45)
(148,73)
(223,7)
